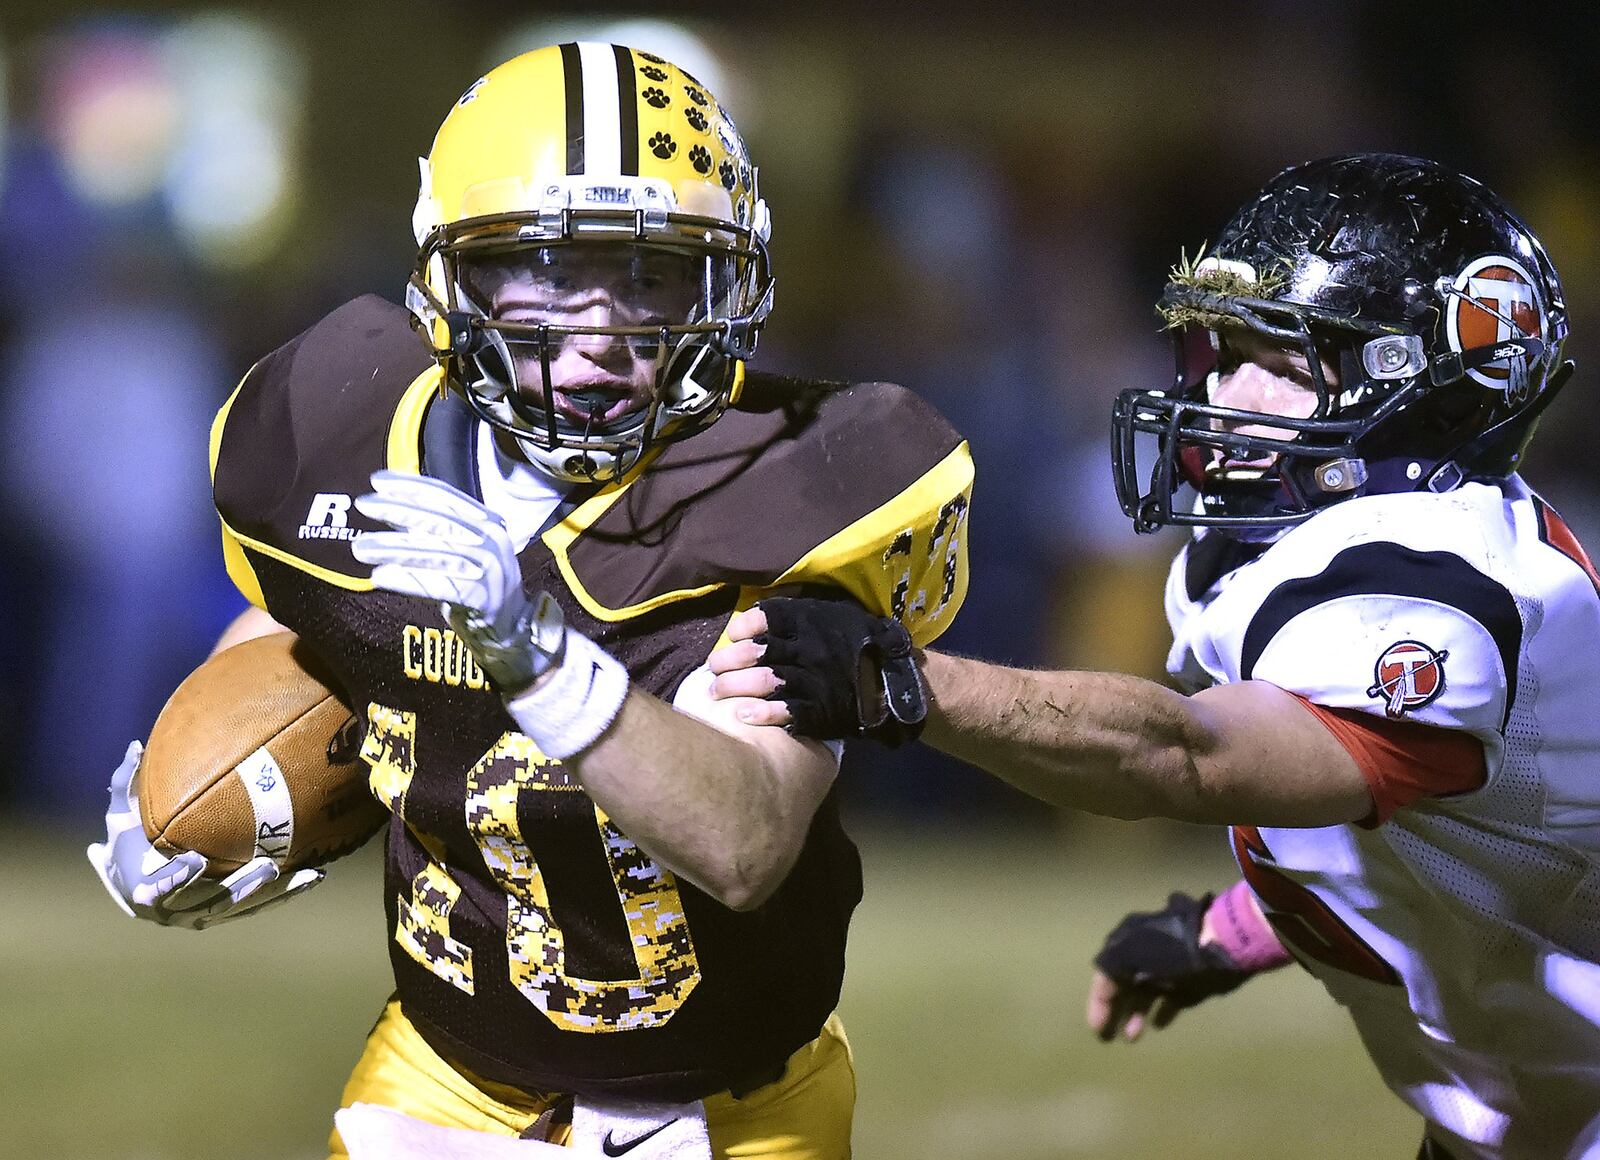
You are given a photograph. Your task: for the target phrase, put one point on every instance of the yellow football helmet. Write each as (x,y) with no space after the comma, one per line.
(594,150)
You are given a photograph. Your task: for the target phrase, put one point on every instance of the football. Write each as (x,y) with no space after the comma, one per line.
(257,753)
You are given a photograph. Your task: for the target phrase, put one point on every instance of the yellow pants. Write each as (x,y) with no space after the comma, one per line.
(805,1115)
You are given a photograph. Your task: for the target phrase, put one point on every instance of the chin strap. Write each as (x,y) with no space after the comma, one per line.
(1414,473)
(1447,474)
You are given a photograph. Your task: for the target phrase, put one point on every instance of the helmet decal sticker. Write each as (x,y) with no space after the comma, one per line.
(1494,298)
(1407,676)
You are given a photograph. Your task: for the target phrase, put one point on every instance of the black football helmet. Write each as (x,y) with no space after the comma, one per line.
(1436,303)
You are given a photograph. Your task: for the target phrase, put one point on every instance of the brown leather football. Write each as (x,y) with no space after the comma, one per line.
(257,753)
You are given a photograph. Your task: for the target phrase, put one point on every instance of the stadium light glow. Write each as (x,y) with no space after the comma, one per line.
(113,116)
(229,183)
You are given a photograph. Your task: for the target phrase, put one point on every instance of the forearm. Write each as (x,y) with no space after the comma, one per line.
(722,812)
(1101,742)
(1239,752)
(1245,752)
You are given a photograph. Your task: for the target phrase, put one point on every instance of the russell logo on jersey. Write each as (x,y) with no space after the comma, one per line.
(328,518)
(1408,676)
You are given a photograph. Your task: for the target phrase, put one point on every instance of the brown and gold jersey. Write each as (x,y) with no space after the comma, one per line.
(533,941)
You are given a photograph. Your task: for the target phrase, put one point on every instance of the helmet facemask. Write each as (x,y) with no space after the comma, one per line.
(683,293)
(1256,470)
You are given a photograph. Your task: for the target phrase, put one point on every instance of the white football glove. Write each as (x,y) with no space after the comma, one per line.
(449,547)
(175,891)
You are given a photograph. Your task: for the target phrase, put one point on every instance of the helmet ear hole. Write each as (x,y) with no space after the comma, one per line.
(582,465)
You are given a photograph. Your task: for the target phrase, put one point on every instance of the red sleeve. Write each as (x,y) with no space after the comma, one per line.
(1403,760)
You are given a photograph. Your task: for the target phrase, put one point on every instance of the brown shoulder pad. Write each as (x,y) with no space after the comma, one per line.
(795,463)
(309,425)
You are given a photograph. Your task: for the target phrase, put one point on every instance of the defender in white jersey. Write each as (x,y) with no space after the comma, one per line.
(1460,923)
(1390,646)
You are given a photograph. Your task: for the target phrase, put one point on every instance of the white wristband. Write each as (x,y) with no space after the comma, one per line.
(567,712)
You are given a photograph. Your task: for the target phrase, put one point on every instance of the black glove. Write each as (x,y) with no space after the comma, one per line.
(845,672)
(1161,954)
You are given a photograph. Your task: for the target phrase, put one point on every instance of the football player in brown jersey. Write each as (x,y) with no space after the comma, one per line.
(513,543)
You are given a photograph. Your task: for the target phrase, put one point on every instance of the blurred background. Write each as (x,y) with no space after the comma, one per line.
(980,203)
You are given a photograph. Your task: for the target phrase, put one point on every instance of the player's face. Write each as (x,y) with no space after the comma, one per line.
(1256,374)
(597,379)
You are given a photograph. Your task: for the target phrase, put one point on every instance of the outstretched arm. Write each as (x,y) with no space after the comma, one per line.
(1241,753)
(1103,742)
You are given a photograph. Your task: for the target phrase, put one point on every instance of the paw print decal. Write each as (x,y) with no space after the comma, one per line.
(729,175)
(700,158)
(656,98)
(695,95)
(744,176)
(651,73)
(663,146)
(652,58)
(696,119)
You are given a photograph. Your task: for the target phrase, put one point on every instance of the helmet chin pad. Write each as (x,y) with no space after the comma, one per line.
(565,465)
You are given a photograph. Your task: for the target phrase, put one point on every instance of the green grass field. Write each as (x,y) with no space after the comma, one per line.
(963,1001)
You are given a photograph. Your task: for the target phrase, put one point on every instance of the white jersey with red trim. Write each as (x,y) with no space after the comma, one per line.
(1464,932)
